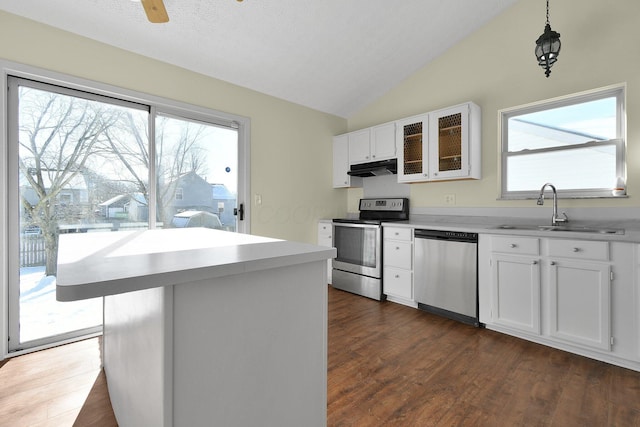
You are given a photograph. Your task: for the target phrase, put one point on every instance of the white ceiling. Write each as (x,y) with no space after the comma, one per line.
(334,56)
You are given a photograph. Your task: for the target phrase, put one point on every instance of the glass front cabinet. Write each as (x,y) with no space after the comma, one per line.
(440,145)
(411,139)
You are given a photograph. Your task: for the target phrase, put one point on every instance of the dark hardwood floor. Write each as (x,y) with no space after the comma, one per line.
(389,365)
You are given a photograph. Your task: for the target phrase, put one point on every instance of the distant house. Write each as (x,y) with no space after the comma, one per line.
(192,192)
(71,202)
(126,207)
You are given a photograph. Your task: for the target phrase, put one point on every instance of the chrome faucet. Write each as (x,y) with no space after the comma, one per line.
(555,220)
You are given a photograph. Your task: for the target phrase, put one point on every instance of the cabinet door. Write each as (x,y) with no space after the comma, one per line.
(324,234)
(359,146)
(579,301)
(411,139)
(454,143)
(341,162)
(449,143)
(383,141)
(515,289)
(325,238)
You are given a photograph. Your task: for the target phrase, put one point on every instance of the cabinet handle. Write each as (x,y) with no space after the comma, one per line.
(535,263)
(397,248)
(576,249)
(513,245)
(397,234)
(552,263)
(373,157)
(397,276)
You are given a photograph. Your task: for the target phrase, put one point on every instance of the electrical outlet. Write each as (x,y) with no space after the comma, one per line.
(450,199)
(257,199)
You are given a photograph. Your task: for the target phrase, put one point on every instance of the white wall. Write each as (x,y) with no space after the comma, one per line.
(496,68)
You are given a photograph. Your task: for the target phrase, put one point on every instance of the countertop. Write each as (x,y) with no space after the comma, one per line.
(490,225)
(100,264)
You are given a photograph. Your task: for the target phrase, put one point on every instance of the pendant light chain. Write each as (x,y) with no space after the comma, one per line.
(547,11)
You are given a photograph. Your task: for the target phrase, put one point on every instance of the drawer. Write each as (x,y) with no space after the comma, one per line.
(397,282)
(579,249)
(397,233)
(515,245)
(398,254)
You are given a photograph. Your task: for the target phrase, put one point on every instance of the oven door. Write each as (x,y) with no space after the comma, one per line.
(358,247)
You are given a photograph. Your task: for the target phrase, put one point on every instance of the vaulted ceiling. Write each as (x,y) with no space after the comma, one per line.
(334,56)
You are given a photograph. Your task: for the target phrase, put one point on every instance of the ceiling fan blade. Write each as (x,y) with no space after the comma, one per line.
(155,10)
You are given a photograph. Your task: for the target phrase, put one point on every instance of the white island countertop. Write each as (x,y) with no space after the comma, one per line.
(100,264)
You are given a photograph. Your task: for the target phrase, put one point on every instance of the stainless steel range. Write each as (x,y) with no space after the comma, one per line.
(358,266)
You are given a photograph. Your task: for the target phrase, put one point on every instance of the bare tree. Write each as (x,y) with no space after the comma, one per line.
(178,149)
(57,135)
(64,138)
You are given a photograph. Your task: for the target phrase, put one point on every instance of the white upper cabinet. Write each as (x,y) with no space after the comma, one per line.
(383,142)
(435,146)
(341,178)
(372,144)
(454,143)
(412,142)
(440,145)
(360,146)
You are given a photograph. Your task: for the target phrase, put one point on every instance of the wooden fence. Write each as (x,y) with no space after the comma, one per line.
(32,253)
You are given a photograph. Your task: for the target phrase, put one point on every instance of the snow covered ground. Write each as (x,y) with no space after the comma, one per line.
(42,316)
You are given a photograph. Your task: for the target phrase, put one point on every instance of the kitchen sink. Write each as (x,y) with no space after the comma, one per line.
(568,228)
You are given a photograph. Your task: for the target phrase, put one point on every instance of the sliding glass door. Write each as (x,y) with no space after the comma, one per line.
(83,163)
(76,166)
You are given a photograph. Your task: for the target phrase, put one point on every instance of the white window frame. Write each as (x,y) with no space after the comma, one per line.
(618,91)
(158,105)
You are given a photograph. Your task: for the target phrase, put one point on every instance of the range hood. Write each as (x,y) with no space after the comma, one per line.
(380,167)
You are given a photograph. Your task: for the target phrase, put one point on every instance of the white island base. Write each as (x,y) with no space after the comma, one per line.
(244,347)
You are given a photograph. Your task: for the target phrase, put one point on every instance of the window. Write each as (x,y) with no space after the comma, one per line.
(575,142)
(85,160)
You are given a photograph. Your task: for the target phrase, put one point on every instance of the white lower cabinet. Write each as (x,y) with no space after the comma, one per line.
(325,238)
(515,292)
(580,303)
(397,269)
(576,295)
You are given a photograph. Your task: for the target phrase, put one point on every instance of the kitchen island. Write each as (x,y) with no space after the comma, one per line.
(205,327)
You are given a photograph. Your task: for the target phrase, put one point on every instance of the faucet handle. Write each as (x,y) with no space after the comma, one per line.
(564,218)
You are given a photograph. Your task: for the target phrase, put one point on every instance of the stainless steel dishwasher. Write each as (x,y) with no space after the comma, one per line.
(446,274)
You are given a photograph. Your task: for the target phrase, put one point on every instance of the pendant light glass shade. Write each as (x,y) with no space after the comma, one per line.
(547,47)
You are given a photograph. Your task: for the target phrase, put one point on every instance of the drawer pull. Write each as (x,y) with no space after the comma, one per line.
(576,249)
(397,276)
(513,245)
(397,248)
(553,263)
(397,234)
(535,263)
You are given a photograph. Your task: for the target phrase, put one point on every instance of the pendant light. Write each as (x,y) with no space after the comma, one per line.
(547,47)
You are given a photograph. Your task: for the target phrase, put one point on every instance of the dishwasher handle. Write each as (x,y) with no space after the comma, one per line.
(457,236)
